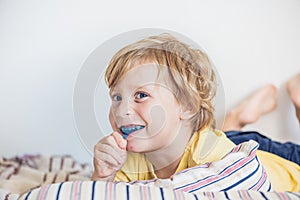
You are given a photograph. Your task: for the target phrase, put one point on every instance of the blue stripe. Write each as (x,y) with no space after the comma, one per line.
(141,193)
(242,180)
(93,190)
(127,192)
(195,196)
(262,175)
(226,195)
(106,189)
(115,193)
(162,193)
(262,184)
(215,175)
(263,195)
(39,193)
(27,196)
(293,193)
(79,193)
(248,194)
(269,189)
(47,191)
(239,192)
(72,188)
(238,148)
(58,191)
(174,195)
(223,177)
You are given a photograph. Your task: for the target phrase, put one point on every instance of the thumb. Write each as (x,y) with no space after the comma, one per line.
(122,143)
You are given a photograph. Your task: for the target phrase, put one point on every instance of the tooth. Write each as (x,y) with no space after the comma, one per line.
(126,130)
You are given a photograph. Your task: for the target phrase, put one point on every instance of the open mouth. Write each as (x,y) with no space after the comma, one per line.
(127,130)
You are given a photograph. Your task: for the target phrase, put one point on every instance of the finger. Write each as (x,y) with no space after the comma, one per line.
(122,143)
(113,140)
(116,154)
(106,160)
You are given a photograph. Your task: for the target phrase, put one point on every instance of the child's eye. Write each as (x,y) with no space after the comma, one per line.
(141,95)
(116,98)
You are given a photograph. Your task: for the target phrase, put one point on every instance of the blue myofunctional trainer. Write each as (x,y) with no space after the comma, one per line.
(129,129)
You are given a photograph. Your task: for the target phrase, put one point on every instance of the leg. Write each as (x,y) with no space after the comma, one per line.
(293,88)
(288,150)
(248,111)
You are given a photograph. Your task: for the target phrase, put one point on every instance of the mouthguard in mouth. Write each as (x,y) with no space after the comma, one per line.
(126,130)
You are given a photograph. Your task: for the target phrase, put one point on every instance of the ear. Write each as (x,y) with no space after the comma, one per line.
(186,112)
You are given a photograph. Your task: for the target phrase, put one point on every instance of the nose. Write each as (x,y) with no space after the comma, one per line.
(125,108)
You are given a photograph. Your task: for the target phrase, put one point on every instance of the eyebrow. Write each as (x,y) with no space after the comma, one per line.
(111,91)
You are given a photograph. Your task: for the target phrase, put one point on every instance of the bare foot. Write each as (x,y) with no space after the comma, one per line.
(293,88)
(249,110)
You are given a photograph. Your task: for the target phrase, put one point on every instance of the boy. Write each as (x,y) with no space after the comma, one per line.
(162,116)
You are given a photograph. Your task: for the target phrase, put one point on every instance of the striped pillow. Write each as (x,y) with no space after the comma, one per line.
(238,170)
(82,190)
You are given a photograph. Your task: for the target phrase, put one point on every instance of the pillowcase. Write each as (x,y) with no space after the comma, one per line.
(109,190)
(238,170)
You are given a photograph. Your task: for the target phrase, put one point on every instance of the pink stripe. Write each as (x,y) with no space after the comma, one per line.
(145,196)
(282,195)
(110,190)
(43,192)
(235,149)
(209,194)
(261,181)
(178,195)
(245,195)
(75,191)
(226,172)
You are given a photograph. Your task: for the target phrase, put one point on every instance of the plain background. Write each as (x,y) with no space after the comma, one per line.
(44,43)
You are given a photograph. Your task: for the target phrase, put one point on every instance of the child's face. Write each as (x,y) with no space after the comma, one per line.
(143,102)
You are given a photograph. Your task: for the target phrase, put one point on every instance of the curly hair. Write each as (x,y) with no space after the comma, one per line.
(191,72)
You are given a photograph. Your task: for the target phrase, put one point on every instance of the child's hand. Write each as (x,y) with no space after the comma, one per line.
(109,156)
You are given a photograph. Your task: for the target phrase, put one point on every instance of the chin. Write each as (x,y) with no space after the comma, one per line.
(132,148)
(140,148)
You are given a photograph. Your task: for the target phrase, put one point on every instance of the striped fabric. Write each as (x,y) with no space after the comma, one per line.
(21,174)
(239,175)
(238,170)
(80,190)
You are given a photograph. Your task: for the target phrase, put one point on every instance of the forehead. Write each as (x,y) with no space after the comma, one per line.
(144,74)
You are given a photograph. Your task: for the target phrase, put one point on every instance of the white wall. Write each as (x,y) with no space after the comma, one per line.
(44,43)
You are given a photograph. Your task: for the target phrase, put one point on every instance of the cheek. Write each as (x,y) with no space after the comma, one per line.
(112,120)
(157,119)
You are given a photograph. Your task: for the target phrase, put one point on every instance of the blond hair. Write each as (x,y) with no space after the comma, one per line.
(190,70)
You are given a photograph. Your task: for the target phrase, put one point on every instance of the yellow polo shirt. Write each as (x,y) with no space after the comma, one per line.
(209,146)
